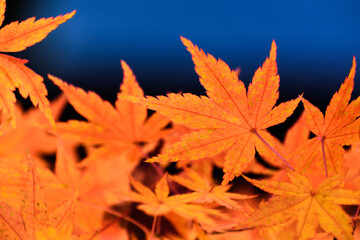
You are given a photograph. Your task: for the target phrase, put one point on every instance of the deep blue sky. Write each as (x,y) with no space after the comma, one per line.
(316,41)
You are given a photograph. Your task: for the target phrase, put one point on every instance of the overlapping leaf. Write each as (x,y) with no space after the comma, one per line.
(118,130)
(310,208)
(100,186)
(30,136)
(16,37)
(33,220)
(209,193)
(339,127)
(160,203)
(229,119)
(294,137)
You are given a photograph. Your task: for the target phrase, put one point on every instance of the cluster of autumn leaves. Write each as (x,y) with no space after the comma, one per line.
(124,185)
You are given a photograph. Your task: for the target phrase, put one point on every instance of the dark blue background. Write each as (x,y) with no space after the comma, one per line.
(316,41)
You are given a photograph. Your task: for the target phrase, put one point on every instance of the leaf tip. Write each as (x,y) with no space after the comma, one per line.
(70,14)
(73,12)
(57,81)
(151,160)
(185,41)
(301,98)
(273,43)
(227,178)
(182,38)
(123,63)
(126,69)
(353,67)
(273,50)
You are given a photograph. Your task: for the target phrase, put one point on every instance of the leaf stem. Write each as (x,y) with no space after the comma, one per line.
(272,149)
(357,212)
(159,170)
(153,228)
(158,226)
(323,155)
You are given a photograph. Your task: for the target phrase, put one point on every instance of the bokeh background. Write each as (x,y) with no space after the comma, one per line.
(316,42)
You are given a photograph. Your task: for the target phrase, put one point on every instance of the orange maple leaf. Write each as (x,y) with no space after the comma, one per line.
(118,130)
(100,186)
(339,127)
(209,193)
(34,220)
(33,125)
(16,37)
(229,119)
(299,201)
(161,203)
(30,136)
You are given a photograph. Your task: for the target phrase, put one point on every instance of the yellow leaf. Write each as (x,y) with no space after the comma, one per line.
(310,208)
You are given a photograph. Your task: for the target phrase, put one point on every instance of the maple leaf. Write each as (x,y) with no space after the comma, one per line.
(118,130)
(160,203)
(15,141)
(229,119)
(33,220)
(218,194)
(32,137)
(299,201)
(339,127)
(99,186)
(16,37)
